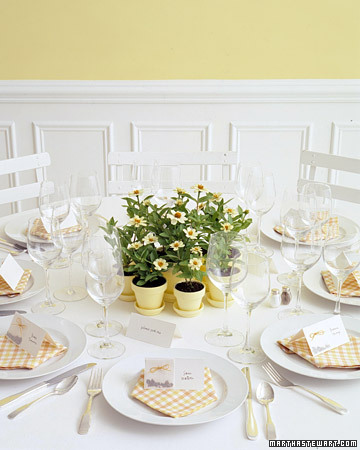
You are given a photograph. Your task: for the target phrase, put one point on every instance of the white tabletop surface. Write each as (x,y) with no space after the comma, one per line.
(52,424)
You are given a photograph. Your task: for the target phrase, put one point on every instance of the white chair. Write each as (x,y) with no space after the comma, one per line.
(19,192)
(118,161)
(311,161)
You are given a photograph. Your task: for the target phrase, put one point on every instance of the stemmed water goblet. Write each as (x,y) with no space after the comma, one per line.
(226,259)
(243,173)
(44,249)
(164,180)
(341,258)
(301,255)
(260,198)
(250,294)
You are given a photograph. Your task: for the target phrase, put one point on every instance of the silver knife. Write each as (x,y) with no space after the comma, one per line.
(50,382)
(251,426)
(10,312)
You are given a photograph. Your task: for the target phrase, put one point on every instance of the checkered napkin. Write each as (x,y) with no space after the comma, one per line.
(13,357)
(350,287)
(39,230)
(176,402)
(346,356)
(5,289)
(329,230)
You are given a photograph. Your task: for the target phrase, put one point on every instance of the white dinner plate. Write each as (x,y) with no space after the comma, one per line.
(285,328)
(346,227)
(16,228)
(314,282)
(35,284)
(229,382)
(61,330)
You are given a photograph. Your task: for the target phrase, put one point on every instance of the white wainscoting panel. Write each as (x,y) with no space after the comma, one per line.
(80,122)
(8,150)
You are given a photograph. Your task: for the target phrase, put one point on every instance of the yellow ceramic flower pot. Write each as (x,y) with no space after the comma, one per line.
(171,279)
(149,297)
(127,294)
(189,301)
(215,293)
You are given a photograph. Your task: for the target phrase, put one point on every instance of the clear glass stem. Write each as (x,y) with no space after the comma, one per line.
(298,296)
(48,301)
(70,289)
(225,327)
(258,239)
(338,298)
(247,347)
(106,342)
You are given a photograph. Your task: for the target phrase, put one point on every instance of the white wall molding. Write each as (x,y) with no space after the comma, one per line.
(337,131)
(175,91)
(8,128)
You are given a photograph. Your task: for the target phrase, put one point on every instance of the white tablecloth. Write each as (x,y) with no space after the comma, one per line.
(52,424)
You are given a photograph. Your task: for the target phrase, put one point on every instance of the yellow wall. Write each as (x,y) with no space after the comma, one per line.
(179,39)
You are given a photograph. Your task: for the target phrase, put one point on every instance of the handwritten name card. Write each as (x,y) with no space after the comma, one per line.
(152,331)
(27,335)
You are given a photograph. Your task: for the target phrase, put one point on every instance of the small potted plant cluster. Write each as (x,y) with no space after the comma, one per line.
(164,247)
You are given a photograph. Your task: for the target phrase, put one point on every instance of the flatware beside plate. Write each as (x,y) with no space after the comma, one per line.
(11,312)
(94,389)
(281,381)
(265,395)
(251,425)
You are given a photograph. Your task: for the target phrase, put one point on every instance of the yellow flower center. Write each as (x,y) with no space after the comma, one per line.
(136,192)
(177,215)
(137,220)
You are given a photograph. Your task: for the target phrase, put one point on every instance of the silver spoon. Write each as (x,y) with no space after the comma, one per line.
(61,388)
(265,395)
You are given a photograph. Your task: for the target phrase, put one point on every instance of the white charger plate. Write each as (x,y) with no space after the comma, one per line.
(285,328)
(229,382)
(16,228)
(346,227)
(35,284)
(61,330)
(314,282)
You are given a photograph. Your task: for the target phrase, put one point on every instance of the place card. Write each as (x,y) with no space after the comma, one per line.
(11,272)
(26,335)
(178,373)
(152,331)
(324,335)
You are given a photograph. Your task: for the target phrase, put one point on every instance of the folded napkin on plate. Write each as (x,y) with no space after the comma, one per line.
(39,230)
(329,230)
(346,356)
(350,287)
(176,402)
(5,289)
(13,357)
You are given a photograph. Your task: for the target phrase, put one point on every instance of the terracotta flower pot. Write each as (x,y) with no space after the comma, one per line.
(149,297)
(189,301)
(171,279)
(127,294)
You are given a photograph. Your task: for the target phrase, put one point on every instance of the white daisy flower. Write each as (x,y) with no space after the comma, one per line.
(217,196)
(227,227)
(176,245)
(191,233)
(201,206)
(160,264)
(137,221)
(230,211)
(199,188)
(136,192)
(180,191)
(195,263)
(196,250)
(176,217)
(179,202)
(150,238)
(136,245)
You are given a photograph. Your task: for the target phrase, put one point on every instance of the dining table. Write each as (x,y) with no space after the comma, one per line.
(53,423)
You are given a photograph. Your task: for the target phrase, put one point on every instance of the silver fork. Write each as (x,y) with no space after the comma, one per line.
(285,383)
(94,388)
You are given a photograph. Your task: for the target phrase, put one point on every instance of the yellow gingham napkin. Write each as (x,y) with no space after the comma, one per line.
(176,402)
(5,289)
(39,230)
(350,287)
(13,357)
(346,356)
(329,230)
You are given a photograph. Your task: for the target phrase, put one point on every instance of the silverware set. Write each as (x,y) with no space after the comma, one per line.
(265,395)
(10,247)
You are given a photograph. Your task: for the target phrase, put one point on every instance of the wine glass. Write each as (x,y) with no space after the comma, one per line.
(243,173)
(105,293)
(85,194)
(44,250)
(252,292)
(323,199)
(297,215)
(54,201)
(341,258)
(300,255)
(226,259)
(164,180)
(260,198)
(73,235)
(97,328)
